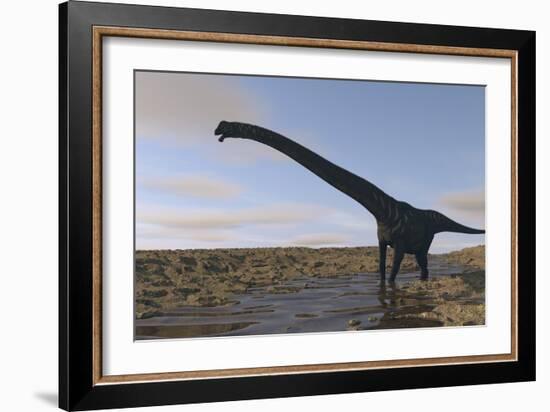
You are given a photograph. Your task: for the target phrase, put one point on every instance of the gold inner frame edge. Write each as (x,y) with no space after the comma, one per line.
(101,31)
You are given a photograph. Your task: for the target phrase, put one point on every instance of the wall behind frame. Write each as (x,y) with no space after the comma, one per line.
(28,211)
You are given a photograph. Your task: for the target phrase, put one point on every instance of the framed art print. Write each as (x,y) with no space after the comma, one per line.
(259,205)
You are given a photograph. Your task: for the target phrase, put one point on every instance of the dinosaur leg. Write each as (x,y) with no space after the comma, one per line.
(422,260)
(398,255)
(382,247)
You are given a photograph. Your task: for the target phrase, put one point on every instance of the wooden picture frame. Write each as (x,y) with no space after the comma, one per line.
(82,384)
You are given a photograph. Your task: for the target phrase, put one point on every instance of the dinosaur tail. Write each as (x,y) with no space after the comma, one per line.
(443,224)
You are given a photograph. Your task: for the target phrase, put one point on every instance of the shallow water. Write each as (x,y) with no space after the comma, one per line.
(305,304)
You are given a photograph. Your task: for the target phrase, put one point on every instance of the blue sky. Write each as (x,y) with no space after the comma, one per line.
(421,143)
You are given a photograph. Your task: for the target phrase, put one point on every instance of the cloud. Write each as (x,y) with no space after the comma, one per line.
(196,186)
(149,232)
(183,109)
(286,224)
(229,219)
(468,203)
(465,201)
(320,239)
(186,107)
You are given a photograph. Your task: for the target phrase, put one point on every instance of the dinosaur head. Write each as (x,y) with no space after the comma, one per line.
(227,129)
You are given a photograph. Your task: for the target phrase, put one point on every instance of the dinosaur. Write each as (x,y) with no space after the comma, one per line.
(401,226)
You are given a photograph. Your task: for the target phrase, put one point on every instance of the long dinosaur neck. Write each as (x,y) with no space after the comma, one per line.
(371,197)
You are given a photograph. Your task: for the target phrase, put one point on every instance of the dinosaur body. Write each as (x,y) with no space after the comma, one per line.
(401,226)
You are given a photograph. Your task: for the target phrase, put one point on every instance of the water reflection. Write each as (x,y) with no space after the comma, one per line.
(387,294)
(306,304)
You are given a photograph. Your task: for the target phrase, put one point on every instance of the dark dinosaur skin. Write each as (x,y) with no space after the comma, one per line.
(401,226)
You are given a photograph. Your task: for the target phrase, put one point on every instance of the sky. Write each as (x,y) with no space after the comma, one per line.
(420,143)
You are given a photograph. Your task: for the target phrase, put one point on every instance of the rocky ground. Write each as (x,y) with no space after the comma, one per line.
(455,300)
(166,280)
